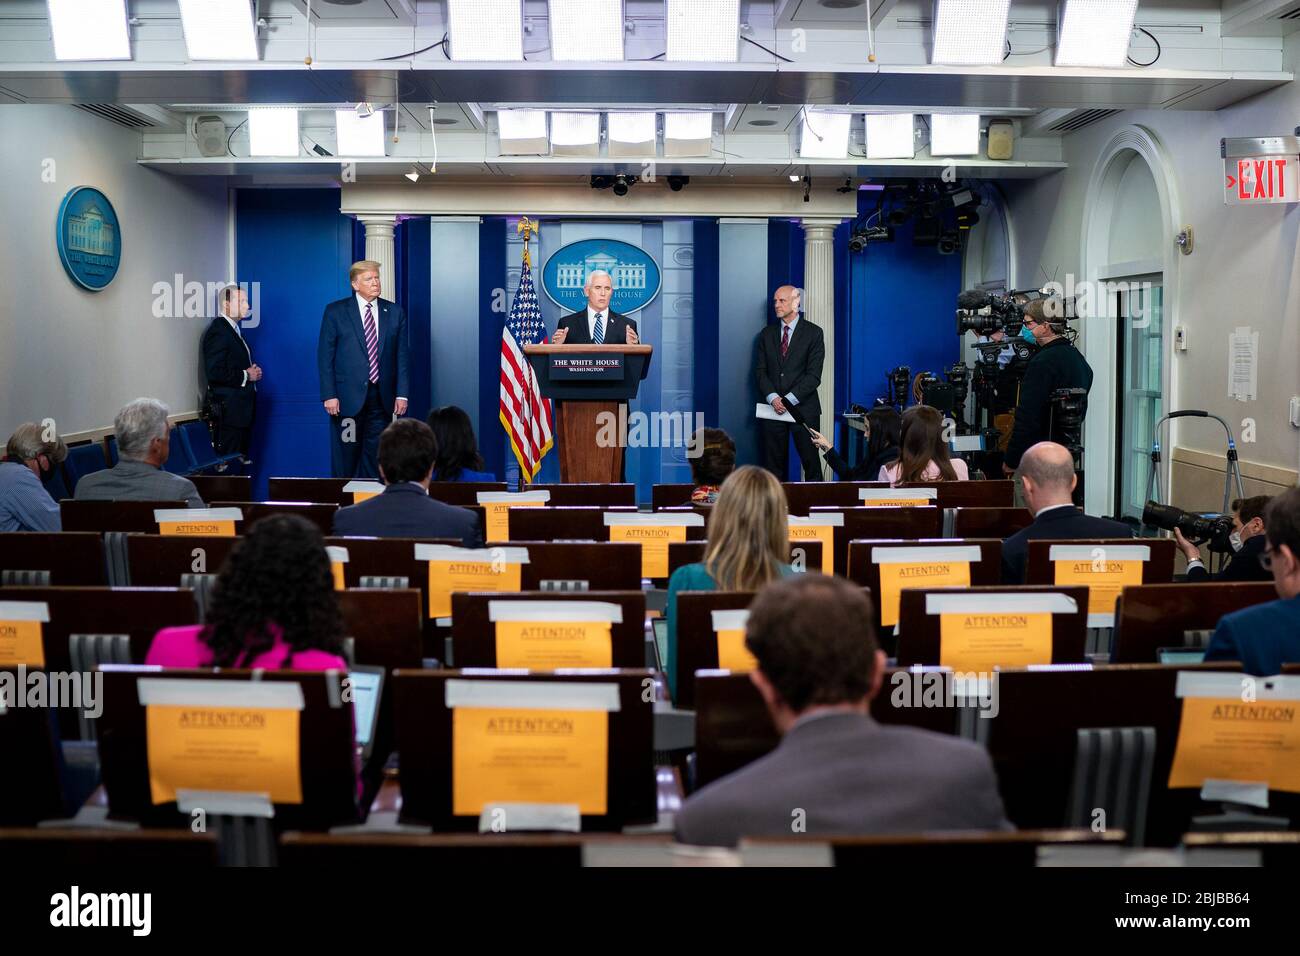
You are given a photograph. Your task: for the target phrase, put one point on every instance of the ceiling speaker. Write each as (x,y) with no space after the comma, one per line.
(210,131)
(1002,139)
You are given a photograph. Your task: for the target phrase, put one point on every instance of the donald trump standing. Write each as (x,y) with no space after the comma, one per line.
(363,356)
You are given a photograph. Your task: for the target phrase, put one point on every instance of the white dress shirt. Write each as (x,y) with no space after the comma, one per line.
(789,396)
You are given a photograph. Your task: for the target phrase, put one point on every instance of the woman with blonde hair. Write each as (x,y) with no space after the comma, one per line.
(923,450)
(748,546)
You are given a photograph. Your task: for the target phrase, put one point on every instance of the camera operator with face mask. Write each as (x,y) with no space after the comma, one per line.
(1057,364)
(1247,540)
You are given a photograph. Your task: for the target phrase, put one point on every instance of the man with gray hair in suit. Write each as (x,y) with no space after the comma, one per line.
(836,770)
(143,444)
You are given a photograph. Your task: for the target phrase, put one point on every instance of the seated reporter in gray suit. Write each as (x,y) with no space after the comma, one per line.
(363,358)
(836,771)
(143,444)
(407,451)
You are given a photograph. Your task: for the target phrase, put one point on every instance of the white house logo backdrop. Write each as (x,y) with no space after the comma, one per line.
(635,273)
(89,238)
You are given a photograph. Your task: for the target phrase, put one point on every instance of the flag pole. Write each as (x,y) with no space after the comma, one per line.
(527,227)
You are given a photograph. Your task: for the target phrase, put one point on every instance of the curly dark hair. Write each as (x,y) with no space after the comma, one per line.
(717,457)
(279,573)
(457,447)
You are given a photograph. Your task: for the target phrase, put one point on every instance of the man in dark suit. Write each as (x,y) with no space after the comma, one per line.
(1266,636)
(596,324)
(788,364)
(1047,473)
(1248,540)
(363,357)
(836,771)
(231,372)
(407,450)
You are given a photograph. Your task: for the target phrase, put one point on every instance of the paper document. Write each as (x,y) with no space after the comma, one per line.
(765,411)
(1243,363)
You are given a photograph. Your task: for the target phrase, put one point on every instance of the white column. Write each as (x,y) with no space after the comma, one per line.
(819,305)
(381,246)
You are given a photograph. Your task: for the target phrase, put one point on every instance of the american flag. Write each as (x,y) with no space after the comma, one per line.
(525,415)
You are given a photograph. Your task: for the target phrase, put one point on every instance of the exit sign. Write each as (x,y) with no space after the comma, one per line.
(1260,170)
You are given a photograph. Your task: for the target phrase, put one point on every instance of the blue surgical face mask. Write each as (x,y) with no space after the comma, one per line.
(1027,334)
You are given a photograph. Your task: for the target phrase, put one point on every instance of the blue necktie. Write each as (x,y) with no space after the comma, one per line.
(599,335)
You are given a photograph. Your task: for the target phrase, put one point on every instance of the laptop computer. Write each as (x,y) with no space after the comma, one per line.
(660,626)
(367,684)
(1181,655)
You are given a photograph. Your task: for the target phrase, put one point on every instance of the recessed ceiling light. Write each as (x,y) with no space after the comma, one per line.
(762,122)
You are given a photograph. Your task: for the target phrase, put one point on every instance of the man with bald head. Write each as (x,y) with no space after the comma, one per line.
(788,365)
(597,324)
(1047,472)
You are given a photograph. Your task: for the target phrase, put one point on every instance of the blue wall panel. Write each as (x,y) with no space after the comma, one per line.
(903,303)
(297,245)
(414,294)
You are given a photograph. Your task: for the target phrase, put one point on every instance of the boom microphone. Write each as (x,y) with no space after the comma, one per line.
(973,299)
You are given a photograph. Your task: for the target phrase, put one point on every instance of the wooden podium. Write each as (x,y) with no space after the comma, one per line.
(590,380)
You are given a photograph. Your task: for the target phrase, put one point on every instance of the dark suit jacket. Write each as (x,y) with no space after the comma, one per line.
(342,360)
(616,326)
(850,775)
(1242,566)
(1263,637)
(1063,523)
(799,373)
(405,510)
(225,357)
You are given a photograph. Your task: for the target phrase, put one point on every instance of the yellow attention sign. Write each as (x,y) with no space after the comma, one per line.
(1104,579)
(20,644)
(896,502)
(339,583)
(521,755)
(360,496)
(236,749)
(546,645)
(218,529)
(733,655)
(980,642)
(448,576)
(1228,739)
(934,574)
(654,541)
(823,533)
(498,517)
